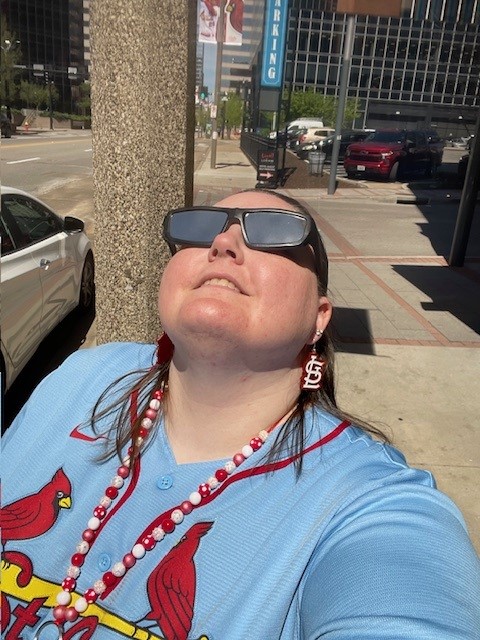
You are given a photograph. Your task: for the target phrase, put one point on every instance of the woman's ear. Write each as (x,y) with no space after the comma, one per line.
(324,315)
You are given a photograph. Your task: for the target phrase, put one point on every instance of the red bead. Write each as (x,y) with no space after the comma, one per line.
(142,432)
(123,471)
(168,525)
(71,614)
(256,443)
(221,475)
(186,507)
(111,492)
(158,394)
(59,612)
(90,596)
(151,413)
(69,584)
(109,578)
(100,512)
(238,459)
(89,535)
(204,490)
(149,542)
(129,560)
(130,451)
(78,559)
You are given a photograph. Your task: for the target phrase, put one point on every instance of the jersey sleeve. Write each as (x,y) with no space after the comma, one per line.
(396,564)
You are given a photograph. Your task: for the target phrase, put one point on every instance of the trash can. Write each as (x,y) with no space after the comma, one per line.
(316,161)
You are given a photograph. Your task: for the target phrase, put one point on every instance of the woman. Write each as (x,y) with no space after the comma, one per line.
(245,504)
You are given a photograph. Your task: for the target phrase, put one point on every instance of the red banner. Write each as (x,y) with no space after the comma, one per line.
(208,12)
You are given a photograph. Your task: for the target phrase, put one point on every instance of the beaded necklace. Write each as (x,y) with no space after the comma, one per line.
(67,610)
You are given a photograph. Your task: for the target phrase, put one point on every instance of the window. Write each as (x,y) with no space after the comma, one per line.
(34,222)
(8,243)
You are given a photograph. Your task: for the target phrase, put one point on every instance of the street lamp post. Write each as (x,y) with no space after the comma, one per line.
(6,47)
(218,81)
(224,111)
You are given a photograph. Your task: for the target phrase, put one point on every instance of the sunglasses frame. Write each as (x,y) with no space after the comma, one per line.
(311,236)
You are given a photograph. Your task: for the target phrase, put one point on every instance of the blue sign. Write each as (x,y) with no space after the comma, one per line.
(276,14)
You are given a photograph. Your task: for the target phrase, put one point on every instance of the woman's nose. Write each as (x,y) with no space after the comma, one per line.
(229,243)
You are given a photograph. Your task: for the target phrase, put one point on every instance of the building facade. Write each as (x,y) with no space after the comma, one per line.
(52,38)
(421,69)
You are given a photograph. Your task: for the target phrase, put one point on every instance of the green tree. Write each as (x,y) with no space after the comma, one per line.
(10,57)
(234,110)
(83,101)
(37,96)
(315,105)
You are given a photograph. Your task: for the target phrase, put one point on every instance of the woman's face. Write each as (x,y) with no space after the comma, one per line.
(263,305)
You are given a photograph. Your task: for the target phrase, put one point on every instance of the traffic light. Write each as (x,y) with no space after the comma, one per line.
(204,93)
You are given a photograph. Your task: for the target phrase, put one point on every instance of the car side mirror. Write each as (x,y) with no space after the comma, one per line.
(72,225)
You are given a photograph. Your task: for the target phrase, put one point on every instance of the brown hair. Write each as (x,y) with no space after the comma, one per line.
(290,436)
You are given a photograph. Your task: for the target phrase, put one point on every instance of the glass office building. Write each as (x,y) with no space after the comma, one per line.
(420,69)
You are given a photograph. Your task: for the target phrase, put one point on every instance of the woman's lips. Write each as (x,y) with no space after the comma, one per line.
(221,282)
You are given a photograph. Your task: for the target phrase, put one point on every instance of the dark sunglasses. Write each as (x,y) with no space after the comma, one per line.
(262,229)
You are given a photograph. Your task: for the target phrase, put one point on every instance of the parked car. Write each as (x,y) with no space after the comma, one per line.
(6,125)
(47,269)
(327,145)
(392,154)
(313,134)
(289,137)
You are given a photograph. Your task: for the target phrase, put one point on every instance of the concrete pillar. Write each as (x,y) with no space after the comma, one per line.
(143,80)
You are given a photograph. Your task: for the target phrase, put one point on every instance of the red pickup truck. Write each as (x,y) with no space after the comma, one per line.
(395,154)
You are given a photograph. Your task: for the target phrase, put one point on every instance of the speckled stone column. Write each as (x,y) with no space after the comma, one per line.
(143,77)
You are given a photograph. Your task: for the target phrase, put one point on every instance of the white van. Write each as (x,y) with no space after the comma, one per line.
(305,123)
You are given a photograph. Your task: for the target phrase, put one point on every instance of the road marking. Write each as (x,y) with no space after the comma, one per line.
(19,161)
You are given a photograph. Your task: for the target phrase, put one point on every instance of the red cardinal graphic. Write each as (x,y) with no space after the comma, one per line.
(35,514)
(171,586)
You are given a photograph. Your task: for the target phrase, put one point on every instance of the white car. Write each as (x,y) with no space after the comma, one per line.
(47,269)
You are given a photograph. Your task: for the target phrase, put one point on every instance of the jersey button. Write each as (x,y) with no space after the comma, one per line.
(165,482)
(104,562)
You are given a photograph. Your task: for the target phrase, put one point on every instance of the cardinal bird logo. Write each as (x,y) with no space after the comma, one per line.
(171,586)
(33,515)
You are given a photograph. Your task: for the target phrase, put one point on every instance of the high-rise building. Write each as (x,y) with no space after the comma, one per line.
(419,69)
(52,37)
(237,60)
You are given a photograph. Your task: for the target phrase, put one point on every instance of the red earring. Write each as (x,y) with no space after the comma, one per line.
(164,349)
(312,370)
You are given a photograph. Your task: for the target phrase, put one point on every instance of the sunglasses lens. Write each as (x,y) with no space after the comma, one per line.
(274,229)
(196,227)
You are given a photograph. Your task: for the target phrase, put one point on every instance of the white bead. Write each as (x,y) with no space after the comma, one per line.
(93,523)
(147,423)
(119,569)
(263,435)
(195,498)
(154,404)
(81,605)
(138,551)
(213,482)
(105,501)
(117,482)
(247,451)
(83,547)
(177,516)
(158,534)
(99,587)
(230,467)
(73,572)
(126,461)
(64,598)
(139,441)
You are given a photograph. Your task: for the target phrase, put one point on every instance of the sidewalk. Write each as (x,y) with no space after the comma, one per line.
(407,326)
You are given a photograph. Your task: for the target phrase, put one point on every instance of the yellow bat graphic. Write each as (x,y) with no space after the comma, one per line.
(39,588)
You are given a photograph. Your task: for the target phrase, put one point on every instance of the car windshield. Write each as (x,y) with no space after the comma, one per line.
(386,136)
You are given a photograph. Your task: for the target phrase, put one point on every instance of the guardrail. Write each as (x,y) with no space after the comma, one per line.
(252,143)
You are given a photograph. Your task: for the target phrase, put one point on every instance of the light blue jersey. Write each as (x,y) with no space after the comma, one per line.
(360,546)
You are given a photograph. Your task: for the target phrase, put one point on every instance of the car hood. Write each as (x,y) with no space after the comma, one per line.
(375,147)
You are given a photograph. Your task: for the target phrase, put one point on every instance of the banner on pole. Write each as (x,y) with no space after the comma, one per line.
(208,12)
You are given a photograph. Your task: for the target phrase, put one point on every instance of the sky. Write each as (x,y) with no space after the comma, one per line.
(209,58)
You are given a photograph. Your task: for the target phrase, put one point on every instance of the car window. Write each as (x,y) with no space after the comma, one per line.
(8,243)
(33,221)
(421,138)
